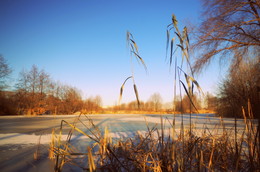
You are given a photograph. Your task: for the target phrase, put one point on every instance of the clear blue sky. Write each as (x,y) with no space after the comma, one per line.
(83,43)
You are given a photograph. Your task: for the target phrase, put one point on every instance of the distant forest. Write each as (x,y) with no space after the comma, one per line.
(36,93)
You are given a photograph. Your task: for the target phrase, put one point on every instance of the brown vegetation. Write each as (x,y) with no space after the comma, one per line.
(239,88)
(219,149)
(4,72)
(37,94)
(6,98)
(230,29)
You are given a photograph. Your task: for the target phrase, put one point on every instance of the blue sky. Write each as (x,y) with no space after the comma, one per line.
(83,43)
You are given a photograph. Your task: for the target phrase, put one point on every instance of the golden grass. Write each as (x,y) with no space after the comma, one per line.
(133,51)
(36,154)
(206,150)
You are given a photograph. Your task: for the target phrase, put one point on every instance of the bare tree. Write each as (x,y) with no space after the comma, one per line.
(157,101)
(132,106)
(92,105)
(211,102)
(230,28)
(239,88)
(27,85)
(73,101)
(149,105)
(33,77)
(29,80)
(32,87)
(23,81)
(44,82)
(4,72)
(6,102)
(98,101)
(36,94)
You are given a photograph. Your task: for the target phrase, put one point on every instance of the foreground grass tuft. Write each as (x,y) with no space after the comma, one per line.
(160,150)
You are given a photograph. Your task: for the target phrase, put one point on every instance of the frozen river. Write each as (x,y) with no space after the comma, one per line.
(20,135)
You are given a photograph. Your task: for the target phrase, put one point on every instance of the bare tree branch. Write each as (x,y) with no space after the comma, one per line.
(228,26)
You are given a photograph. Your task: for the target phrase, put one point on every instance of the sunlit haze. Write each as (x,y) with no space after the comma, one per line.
(83,43)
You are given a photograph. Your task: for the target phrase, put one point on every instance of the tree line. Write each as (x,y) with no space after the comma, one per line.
(155,104)
(36,93)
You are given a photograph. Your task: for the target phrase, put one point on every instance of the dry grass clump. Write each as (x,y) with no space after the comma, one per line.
(158,149)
